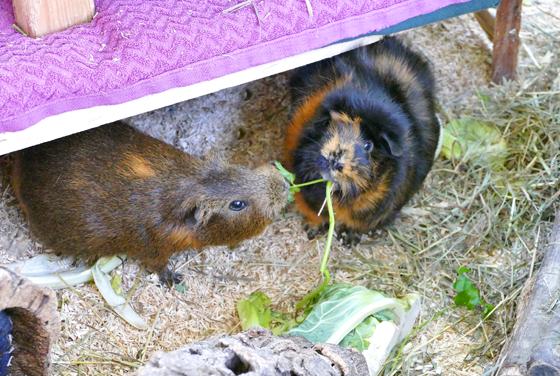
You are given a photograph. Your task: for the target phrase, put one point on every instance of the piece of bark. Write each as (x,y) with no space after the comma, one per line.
(257,352)
(534,347)
(506,40)
(36,323)
(487,22)
(40,17)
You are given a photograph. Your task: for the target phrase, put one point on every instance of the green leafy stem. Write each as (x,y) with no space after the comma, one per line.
(291,178)
(307,302)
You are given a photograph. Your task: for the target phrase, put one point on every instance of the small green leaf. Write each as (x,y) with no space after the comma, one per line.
(469,298)
(285,173)
(359,337)
(281,323)
(462,283)
(291,197)
(291,178)
(309,300)
(474,141)
(487,310)
(116,284)
(181,288)
(255,311)
(117,302)
(468,295)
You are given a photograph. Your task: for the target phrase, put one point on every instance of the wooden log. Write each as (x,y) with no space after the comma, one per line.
(36,323)
(40,17)
(487,22)
(257,352)
(506,40)
(534,347)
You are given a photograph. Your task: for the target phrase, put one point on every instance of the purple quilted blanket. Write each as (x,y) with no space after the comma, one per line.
(133,48)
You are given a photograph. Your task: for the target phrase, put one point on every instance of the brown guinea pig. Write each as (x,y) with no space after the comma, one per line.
(113,190)
(364,120)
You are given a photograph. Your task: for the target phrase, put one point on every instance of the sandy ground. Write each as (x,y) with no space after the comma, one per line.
(246,123)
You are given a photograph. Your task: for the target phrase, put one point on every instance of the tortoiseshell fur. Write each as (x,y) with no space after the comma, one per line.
(366,121)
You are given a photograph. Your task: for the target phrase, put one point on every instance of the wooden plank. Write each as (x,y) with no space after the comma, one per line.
(506,40)
(40,17)
(533,347)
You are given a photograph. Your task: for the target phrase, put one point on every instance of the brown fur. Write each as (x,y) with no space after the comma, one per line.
(113,190)
(346,214)
(293,133)
(307,211)
(135,166)
(15,181)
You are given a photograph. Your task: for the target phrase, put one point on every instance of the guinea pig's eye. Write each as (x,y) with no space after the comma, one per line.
(237,205)
(368,146)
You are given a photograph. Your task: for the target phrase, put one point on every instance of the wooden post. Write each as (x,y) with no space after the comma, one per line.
(36,323)
(487,22)
(534,347)
(506,40)
(39,17)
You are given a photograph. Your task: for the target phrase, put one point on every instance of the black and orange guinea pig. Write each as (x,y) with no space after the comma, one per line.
(113,190)
(364,120)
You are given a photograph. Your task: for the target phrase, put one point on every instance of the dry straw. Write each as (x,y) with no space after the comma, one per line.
(492,221)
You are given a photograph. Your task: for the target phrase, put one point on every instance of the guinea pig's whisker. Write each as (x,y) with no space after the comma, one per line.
(323,206)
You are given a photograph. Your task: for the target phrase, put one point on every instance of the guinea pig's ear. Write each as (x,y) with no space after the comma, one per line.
(197,215)
(342,117)
(392,145)
(336,116)
(189,216)
(203,213)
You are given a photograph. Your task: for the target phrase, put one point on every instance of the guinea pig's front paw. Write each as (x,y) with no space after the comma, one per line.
(169,277)
(348,237)
(315,231)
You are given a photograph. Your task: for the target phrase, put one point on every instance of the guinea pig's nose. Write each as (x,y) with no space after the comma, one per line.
(336,165)
(339,166)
